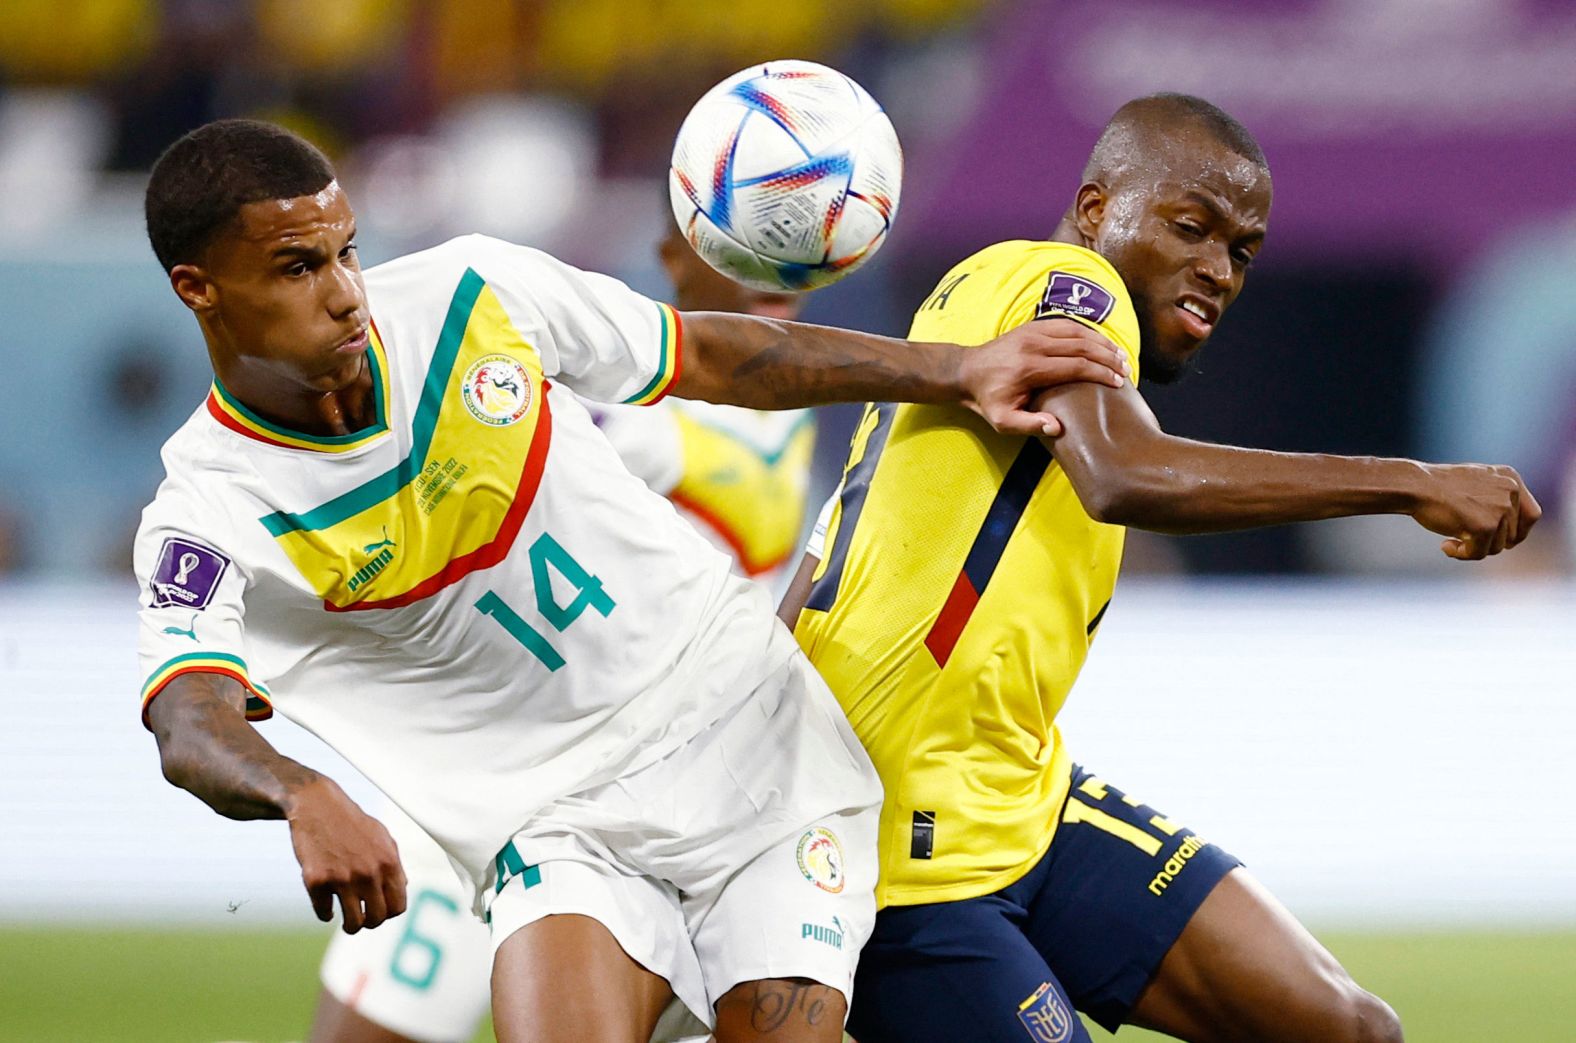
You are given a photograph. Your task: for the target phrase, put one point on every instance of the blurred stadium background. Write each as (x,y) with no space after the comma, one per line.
(1387,737)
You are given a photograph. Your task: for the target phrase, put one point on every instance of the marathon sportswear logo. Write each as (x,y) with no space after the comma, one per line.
(832,936)
(186,575)
(1176,863)
(1046,1017)
(1069,295)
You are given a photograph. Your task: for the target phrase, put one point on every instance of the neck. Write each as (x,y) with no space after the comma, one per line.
(346,406)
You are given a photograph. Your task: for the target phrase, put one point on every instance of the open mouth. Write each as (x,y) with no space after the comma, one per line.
(1198,316)
(353,344)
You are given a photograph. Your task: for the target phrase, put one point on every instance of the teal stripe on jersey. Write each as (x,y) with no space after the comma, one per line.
(390,482)
(663,367)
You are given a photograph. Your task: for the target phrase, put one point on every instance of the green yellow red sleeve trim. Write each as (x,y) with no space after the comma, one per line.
(259,704)
(670,364)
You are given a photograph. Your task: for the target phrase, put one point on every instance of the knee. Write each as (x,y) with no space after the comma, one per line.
(1358,1016)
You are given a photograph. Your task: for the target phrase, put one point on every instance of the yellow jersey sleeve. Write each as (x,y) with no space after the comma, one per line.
(1006,285)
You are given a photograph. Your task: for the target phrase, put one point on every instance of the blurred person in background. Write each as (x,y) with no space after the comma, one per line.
(955,584)
(741,477)
(1518,401)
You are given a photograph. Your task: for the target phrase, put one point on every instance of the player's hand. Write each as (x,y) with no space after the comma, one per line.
(1000,377)
(345,853)
(1481,509)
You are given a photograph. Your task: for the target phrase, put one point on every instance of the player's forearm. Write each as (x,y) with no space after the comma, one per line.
(1184,487)
(207,748)
(771,364)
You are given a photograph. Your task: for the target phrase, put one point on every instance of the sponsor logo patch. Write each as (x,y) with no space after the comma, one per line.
(1069,295)
(187,574)
(1046,1017)
(832,935)
(820,857)
(497,390)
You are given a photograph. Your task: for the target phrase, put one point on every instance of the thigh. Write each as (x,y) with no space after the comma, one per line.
(565,977)
(1245,969)
(422,975)
(781,1010)
(1116,890)
(955,971)
(579,936)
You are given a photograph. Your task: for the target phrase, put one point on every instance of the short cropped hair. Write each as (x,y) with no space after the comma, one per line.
(201,182)
(1159,112)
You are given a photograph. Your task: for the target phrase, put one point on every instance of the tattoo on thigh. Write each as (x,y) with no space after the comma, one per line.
(777,1002)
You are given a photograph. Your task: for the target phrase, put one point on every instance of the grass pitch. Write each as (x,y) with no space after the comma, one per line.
(71,985)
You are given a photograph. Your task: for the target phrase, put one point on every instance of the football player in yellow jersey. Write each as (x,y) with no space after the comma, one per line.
(957,583)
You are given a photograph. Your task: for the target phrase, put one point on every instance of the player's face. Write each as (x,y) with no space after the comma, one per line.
(697,286)
(285,290)
(1182,241)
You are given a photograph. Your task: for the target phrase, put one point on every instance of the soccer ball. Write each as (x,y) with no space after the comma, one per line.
(785,176)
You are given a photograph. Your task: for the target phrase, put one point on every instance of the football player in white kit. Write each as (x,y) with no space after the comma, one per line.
(741,476)
(392,521)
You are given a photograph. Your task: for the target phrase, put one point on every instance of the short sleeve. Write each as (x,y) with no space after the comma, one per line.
(192,615)
(602,339)
(1078,285)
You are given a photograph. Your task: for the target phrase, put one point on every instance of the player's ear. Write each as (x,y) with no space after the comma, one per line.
(192,285)
(1089,209)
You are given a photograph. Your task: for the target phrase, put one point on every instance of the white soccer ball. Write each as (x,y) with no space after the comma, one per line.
(786,176)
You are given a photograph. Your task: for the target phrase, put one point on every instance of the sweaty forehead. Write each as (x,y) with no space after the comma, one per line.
(271,221)
(1196,163)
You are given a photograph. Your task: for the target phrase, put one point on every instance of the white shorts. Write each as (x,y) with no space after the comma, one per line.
(424,974)
(748,853)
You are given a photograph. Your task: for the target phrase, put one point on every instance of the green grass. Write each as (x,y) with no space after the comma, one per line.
(144,986)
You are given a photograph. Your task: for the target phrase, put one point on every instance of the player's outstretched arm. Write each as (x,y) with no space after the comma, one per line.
(772,364)
(1129,472)
(207,748)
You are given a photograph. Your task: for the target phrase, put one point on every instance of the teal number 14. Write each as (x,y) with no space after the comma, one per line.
(546,554)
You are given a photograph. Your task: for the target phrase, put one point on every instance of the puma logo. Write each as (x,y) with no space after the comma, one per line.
(190,631)
(384,542)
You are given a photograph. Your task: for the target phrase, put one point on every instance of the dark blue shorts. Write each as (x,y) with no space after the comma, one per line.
(1086,928)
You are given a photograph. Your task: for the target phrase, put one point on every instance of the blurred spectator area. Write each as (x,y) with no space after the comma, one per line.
(353,69)
(1413,297)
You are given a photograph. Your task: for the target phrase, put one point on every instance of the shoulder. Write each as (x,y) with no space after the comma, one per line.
(440,267)
(1020,262)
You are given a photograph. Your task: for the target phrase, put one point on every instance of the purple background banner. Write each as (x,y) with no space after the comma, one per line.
(1403,129)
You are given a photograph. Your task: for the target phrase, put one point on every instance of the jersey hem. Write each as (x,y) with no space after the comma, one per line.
(980,887)
(259,704)
(669,366)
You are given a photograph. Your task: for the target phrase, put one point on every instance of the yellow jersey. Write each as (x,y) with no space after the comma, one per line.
(959,590)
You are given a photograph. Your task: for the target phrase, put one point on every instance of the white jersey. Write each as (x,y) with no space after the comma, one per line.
(740,476)
(471,599)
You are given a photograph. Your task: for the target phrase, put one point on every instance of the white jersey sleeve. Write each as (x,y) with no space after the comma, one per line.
(593,333)
(192,616)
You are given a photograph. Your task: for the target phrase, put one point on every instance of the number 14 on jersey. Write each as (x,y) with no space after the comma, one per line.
(548,557)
